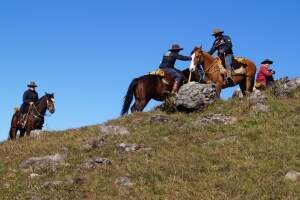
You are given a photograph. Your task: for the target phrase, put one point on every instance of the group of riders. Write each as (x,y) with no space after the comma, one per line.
(223,46)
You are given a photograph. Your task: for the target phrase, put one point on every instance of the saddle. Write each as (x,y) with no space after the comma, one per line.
(238,64)
(161,73)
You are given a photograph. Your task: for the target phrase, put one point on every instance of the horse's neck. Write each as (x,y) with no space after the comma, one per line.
(208,61)
(41,106)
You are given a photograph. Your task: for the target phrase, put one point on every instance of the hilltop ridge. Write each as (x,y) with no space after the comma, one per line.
(235,149)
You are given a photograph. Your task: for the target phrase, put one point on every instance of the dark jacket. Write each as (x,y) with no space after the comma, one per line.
(30,96)
(222,45)
(170,58)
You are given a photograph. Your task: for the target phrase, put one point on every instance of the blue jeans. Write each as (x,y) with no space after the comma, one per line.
(228,61)
(174,73)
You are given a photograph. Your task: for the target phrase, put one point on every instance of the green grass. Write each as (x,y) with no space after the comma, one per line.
(186,162)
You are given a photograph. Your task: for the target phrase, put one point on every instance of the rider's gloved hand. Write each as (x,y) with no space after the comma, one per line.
(31,103)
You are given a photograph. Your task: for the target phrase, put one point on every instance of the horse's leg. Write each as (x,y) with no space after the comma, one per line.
(133,109)
(13,133)
(249,84)
(28,130)
(22,133)
(243,87)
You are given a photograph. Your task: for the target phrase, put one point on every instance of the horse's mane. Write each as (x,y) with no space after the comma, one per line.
(40,100)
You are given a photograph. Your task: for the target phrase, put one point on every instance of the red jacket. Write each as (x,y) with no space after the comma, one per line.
(263,74)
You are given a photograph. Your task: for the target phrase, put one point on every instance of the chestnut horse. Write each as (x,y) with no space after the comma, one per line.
(34,119)
(149,87)
(213,73)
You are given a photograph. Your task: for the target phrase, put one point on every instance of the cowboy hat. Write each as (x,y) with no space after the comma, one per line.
(32,84)
(175,47)
(267,61)
(217,31)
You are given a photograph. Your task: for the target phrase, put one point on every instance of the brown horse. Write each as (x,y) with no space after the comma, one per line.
(149,87)
(213,72)
(34,119)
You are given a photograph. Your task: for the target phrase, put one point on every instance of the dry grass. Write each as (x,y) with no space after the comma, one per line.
(186,161)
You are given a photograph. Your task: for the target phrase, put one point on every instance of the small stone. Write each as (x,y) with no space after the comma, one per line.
(94,143)
(215,119)
(259,107)
(95,163)
(52,184)
(159,119)
(128,147)
(293,176)
(123,181)
(113,130)
(34,175)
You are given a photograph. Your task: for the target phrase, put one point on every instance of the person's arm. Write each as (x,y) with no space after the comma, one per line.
(213,48)
(183,58)
(266,72)
(25,97)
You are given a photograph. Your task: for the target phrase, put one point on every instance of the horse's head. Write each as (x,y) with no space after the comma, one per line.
(197,55)
(197,58)
(50,102)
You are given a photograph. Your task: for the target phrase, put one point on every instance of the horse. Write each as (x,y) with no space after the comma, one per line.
(147,87)
(213,72)
(34,119)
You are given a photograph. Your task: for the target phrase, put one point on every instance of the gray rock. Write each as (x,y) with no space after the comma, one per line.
(113,130)
(215,119)
(128,147)
(52,184)
(34,175)
(259,107)
(123,181)
(37,163)
(36,133)
(159,119)
(94,163)
(293,176)
(283,87)
(94,143)
(195,96)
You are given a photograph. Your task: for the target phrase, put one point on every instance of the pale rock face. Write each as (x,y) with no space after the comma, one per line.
(195,96)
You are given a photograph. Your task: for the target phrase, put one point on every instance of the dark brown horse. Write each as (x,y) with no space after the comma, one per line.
(213,72)
(149,87)
(34,119)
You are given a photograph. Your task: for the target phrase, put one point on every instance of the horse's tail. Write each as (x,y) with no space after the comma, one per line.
(13,124)
(128,97)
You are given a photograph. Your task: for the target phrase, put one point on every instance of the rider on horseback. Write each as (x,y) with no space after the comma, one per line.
(168,62)
(223,45)
(30,96)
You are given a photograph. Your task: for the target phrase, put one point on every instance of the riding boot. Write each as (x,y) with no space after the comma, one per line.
(175,87)
(229,76)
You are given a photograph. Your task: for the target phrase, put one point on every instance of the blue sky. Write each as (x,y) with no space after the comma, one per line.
(87,52)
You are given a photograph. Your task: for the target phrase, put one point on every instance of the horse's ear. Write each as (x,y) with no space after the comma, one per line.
(52,95)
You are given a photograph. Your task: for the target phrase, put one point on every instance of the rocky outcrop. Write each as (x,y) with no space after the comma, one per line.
(39,163)
(113,130)
(194,96)
(284,86)
(94,163)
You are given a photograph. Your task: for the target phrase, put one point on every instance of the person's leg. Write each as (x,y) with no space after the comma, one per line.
(23,108)
(178,79)
(228,64)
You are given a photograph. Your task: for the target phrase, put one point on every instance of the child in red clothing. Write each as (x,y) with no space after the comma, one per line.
(264,74)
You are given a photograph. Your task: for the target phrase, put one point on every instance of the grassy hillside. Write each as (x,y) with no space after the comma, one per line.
(185,157)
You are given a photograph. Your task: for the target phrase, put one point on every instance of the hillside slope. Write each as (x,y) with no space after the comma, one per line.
(228,151)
